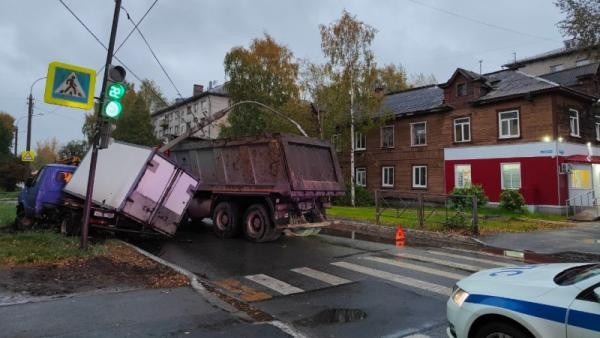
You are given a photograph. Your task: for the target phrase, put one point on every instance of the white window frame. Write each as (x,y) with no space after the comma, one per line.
(502,187)
(462,130)
(500,119)
(456,166)
(393,136)
(360,141)
(383,181)
(582,62)
(597,131)
(413,136)
(574,127)
(363,174)
(416,168)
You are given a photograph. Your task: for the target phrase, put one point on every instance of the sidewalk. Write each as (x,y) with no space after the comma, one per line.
(583,238)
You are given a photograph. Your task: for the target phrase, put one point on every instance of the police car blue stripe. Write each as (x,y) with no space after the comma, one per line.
(549,312)
(558,314)
(586,320)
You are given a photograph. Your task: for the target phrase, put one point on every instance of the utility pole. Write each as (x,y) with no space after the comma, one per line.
(29,116)
(16,138)
(352,174)
(99,126)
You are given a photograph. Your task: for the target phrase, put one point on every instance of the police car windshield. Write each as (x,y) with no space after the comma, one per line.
(577,274)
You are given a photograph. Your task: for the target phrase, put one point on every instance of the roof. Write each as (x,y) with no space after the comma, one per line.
(546,55)
(501,84)
(413,100)
(571,76)
(215,91)
(513,82)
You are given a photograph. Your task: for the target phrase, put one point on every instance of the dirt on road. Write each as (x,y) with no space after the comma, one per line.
(120,267)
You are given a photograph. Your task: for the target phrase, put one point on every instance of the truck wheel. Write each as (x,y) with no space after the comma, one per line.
(70,224)
(22,222)
(257,224)
(225,220)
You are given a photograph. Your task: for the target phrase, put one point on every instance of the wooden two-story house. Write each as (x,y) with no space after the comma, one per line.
(503,130)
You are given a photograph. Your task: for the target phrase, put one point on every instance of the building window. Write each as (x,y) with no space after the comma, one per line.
(461,89)
(360,178)
(336,140)
(574,122)
(360,141)
(387,177)
(582,62)
(176,130)
(511,175)
(418,132)
(597,131)
(387,137)
(581,178)
(556,68)
(419,176)
(509,124)
(462,129)
(462,175)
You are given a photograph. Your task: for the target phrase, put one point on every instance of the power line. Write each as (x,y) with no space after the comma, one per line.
(102,44)
(153,53)
(481,22)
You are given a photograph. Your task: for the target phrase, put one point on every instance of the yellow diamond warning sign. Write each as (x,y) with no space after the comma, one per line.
(27,156)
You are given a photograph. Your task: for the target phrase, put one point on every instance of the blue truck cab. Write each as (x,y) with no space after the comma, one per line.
(42,196)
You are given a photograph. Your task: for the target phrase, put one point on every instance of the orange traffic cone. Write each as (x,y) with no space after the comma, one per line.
(400,236)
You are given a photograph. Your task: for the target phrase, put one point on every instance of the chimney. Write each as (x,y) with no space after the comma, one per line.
(198,89)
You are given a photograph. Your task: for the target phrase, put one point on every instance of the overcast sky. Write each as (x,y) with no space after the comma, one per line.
(191,38)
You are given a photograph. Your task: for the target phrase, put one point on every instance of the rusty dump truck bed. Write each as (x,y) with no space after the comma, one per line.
(288,165)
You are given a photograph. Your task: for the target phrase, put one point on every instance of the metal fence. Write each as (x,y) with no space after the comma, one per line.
(419,209)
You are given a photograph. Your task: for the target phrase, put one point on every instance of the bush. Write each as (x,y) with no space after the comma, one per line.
(362,197)
(472,190)
(12,171)
(511,200)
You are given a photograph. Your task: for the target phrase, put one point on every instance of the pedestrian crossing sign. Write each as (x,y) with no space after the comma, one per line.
(27,156)
(69,85)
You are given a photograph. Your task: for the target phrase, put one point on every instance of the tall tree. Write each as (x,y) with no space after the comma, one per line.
(346,43)
(46,152)
(7,133)
(134,125)
(392,78)
(73,148)
(266,72)
(582,22)
(152,95)
(419,80)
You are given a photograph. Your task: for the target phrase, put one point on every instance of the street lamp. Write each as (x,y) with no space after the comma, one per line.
(16,127)
(30,112)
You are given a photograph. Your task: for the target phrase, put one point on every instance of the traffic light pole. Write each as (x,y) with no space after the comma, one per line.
(100,123)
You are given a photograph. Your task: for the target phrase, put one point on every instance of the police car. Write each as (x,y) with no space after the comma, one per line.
(542,301)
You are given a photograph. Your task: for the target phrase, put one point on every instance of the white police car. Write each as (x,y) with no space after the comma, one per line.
(542,301)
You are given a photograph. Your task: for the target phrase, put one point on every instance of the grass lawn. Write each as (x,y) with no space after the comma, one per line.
(490,219)
(35,247)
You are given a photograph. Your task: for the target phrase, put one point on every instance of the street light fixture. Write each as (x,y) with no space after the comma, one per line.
(30,112)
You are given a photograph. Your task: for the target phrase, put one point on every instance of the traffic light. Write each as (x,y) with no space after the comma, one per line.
(115,90)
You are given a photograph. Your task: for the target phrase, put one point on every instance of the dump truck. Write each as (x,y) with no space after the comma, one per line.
(136,189)
(261,186)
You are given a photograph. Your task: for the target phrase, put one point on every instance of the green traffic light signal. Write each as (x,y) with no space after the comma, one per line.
(113,107)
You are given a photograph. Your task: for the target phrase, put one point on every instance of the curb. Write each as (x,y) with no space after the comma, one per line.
(211,298)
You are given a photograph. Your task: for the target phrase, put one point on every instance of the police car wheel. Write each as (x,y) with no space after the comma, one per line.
(501,330)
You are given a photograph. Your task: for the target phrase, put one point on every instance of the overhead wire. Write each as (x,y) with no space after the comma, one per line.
(153,53)
(104,46)
(481,22)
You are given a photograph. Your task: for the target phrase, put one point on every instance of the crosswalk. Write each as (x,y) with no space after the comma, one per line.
(431,271)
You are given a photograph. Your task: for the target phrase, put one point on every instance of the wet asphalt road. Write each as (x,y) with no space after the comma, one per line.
(326,286)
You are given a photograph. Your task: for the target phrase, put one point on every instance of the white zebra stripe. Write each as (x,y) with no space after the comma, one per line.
(414,267)
(274,284)
(322,276)
(415,283)
(467,258)
(466,267)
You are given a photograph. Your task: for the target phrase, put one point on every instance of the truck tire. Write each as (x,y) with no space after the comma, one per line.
(22,222)
(226,223)
(70,223)
(257,224)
